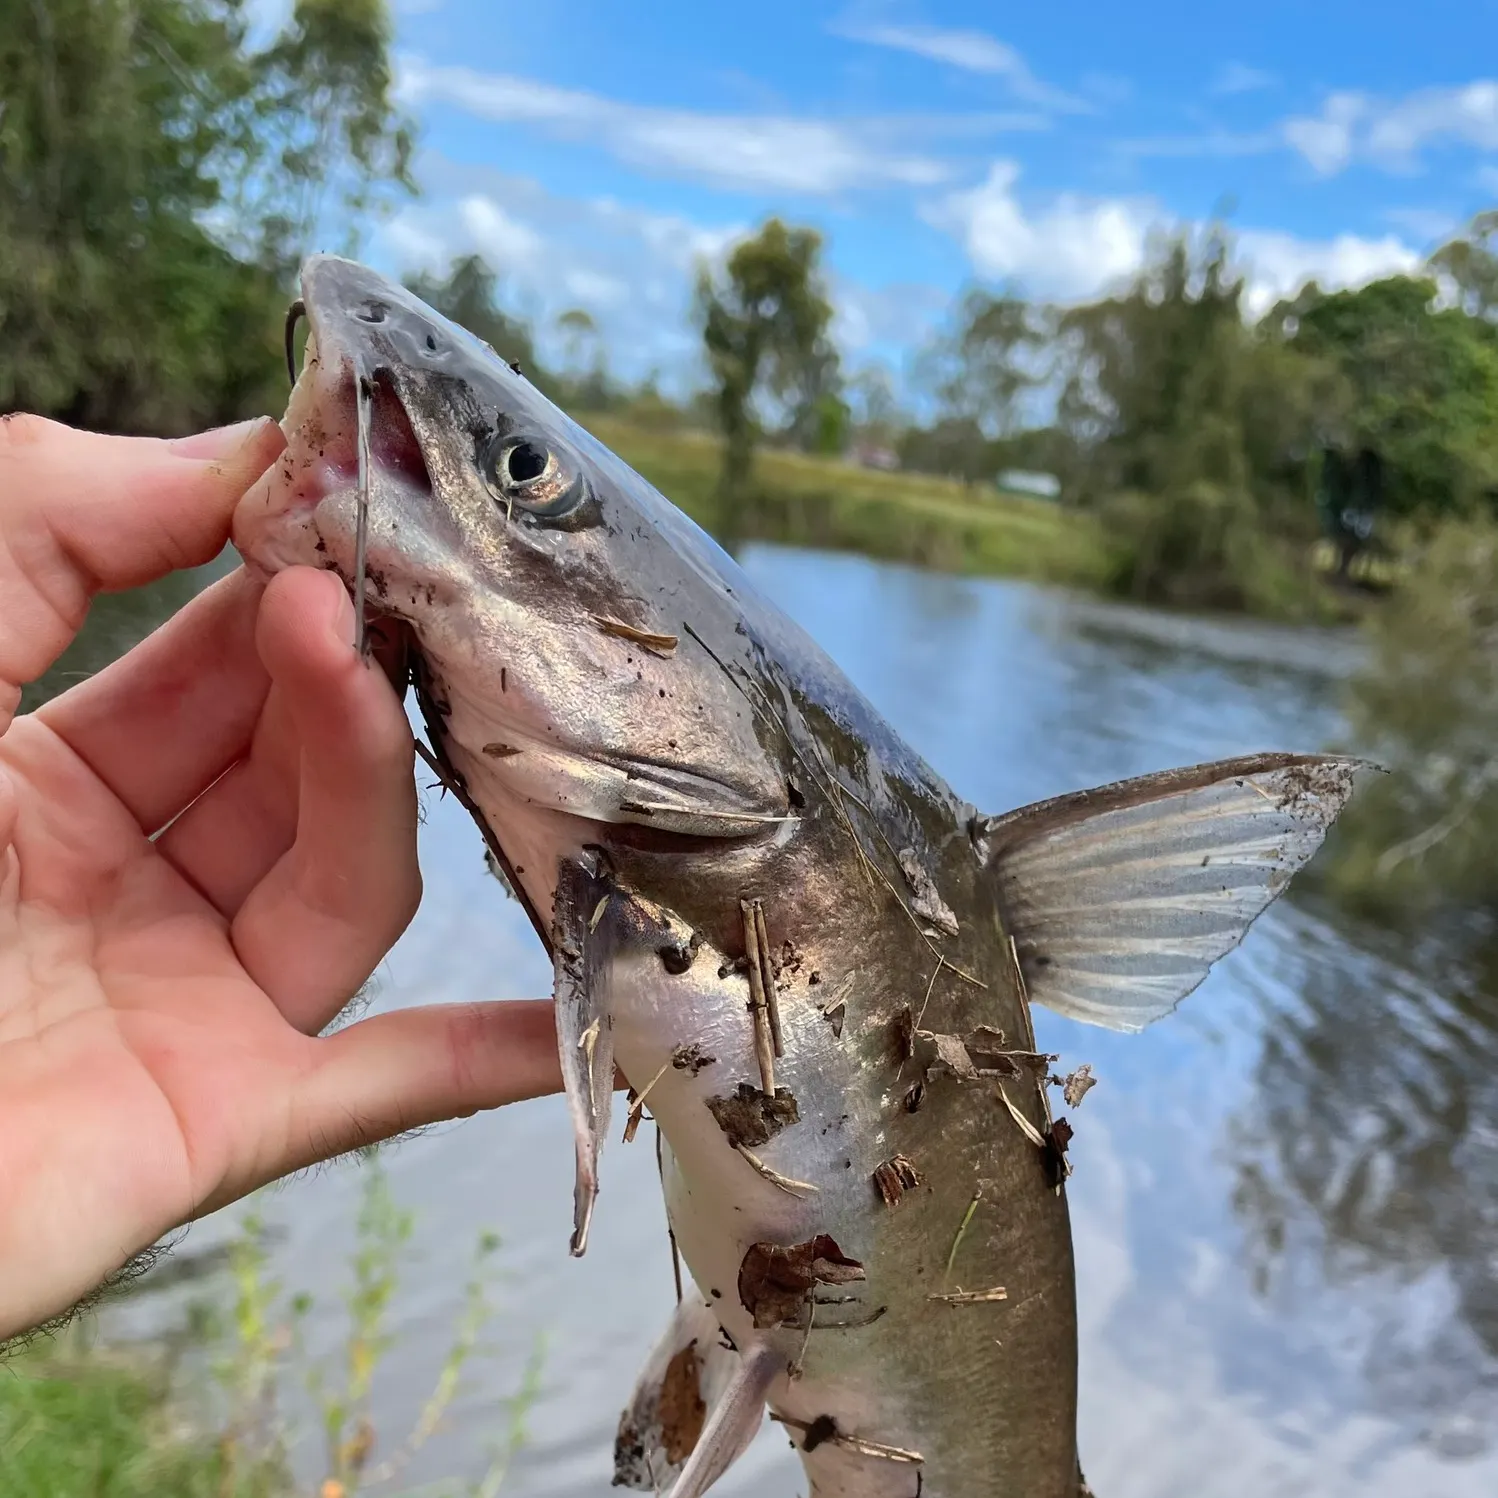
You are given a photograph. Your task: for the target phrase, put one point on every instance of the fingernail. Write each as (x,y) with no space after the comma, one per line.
(221,441)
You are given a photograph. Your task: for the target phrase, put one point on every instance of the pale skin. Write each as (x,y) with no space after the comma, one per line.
(161,1001)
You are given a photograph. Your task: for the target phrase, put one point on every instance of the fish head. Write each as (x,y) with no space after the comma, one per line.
(570,629)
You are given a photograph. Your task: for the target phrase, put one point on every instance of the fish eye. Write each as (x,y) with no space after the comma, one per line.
(531,474)
(525,461)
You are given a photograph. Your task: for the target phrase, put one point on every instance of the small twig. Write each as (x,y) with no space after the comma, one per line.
(660,1170)
(853,1443)
(797,1368)
(1026,1127)
(772,999)
(967,1218)
(930,984)
(637,1105)
(971,1297)
(764,1044)
(785,1183)
(663,645)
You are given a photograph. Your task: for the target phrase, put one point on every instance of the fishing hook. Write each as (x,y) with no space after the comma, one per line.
(294,314)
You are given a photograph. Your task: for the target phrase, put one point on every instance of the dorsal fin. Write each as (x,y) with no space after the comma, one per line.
(1120,899)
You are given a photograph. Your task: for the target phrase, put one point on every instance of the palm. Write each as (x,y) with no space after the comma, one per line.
(204,852)
(159,995)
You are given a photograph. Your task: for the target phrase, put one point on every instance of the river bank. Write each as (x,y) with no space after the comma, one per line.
(948,526)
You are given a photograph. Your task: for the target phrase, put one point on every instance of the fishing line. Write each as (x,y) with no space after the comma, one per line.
(363,396)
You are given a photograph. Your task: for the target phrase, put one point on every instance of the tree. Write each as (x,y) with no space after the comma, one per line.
(981,368)
(1191,431)
(1469,263)
(152,204)
(583,359)
(1423,383)
(765,326)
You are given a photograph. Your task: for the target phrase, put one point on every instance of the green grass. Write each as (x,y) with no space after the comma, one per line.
(211,1410)
(931,522)
(75,1424)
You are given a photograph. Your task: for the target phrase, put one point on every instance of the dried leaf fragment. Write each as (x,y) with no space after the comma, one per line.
(1077,1085)
(682,1410)
(924,899)
(776,1283)
(750,1117)
(894,1177)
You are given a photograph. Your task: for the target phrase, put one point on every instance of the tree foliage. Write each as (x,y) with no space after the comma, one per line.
(1426,709)
(1191,431)
(158,179)
(1422,383)
(764,324)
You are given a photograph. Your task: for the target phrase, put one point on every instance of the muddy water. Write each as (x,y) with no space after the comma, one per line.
(1286,1195)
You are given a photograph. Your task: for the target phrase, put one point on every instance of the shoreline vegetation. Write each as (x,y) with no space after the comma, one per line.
(200,1410)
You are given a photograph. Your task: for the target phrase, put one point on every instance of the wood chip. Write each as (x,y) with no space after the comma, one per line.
(657,644)
(894,1177)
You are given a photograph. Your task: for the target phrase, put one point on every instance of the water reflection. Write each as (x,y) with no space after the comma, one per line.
(1370,1152)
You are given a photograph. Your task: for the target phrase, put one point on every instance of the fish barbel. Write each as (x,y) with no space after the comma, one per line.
(811,960)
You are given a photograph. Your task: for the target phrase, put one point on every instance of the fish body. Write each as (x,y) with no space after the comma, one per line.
(811,960)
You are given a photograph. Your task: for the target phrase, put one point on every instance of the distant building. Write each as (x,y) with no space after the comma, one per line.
(871,455)
(1037,485)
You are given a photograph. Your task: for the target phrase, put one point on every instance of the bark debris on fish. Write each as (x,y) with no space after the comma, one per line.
(770,913)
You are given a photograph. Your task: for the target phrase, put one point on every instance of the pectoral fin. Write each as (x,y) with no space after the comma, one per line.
(1120,899)
(585,1033)
(684,1378)
(732,1423)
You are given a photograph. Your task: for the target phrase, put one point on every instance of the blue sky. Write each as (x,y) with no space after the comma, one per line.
(595,151)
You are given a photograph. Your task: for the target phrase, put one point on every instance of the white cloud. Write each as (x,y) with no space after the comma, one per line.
(1327,140)
(764,152)
(1071,247)
(1394,133)
(1468,114)
(499,236)
(594,288)
(1427,225)
(1239,78)
(972,51)
(632,269)
(1279,264)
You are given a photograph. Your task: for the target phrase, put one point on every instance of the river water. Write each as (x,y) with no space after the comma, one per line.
(1285,1196)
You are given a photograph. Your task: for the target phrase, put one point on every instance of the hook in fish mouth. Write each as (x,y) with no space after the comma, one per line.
(294,314)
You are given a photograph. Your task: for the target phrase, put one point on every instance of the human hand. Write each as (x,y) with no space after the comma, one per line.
(161,996)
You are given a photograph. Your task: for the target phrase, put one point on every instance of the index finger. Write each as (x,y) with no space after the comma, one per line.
(82,513)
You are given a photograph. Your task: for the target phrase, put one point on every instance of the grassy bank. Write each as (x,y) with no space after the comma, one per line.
(213,1406)
(904,517)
